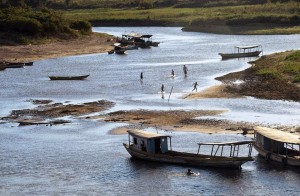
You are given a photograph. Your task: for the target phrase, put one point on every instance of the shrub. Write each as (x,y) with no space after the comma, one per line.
(83,26)
(23,25)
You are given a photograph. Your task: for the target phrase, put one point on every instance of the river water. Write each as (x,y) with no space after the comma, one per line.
(82,158)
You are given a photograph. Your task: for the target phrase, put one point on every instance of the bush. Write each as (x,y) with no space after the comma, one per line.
(83,26)
(23,25)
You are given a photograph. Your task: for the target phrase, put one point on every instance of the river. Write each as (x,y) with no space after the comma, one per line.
(82,158)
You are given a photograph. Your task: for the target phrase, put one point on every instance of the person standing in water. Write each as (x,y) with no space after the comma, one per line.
(173,73)
(162,88)
(185,69)
(142,76)
(195,86)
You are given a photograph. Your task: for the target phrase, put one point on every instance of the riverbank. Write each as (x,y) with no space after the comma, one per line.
(88,44)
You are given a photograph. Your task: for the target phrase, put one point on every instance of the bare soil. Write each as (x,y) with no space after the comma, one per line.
(94,43)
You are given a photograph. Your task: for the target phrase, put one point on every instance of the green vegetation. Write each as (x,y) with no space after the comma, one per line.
(285,65)
(214,16)
(24,25)
(268,18)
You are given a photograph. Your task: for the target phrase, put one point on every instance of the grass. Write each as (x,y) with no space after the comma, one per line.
(270,13)
(284,65)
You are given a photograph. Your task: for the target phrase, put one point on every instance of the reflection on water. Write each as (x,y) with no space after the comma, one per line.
(82,158)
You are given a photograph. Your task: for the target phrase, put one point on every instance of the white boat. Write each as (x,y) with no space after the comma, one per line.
(154,147)
(276,145)
(243,51)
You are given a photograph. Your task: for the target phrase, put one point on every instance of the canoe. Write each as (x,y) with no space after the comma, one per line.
(28,63)
(68,77)
(154,147)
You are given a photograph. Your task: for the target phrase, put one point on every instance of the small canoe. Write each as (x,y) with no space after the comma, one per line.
(14,65)
(68,77)
(28,63)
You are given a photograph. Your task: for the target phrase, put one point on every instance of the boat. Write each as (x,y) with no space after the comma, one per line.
(276,145)
(154,147)
(243,51)
(120,50)
(14,65)
(111,52)
(28,63)
(68,77)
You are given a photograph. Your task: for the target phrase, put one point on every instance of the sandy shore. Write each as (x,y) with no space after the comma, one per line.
(94,43)
(47,112)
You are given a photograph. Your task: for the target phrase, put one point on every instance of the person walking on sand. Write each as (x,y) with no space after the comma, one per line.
(195,86)
(185,69)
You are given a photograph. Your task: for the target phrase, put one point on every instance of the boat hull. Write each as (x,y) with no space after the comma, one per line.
(189,158)
(277,157)
(239,55)
(68,77)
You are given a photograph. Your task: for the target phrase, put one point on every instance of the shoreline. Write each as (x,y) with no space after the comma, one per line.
(89,44)
(95,43)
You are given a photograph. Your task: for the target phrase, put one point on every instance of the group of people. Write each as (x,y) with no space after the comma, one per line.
(185,71)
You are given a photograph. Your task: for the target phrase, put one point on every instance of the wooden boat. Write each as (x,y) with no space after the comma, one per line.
(111,52)
(243,51)
(120,50)
(276,145)
(154,147)
(28,63)
(68,77)
(14,65)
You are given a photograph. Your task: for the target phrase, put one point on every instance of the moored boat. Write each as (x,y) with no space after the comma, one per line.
(68,77)
(243,51)
(154,147)
(276,145)
(120,50)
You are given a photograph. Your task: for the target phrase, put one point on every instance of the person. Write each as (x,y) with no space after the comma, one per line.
(162,89)
(173,73)
(189,172)
(195,86)
(185,69)
(141,76)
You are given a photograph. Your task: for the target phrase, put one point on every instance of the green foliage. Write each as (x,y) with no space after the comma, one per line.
(24,21)
(297,79)
(83,26)
(293,57)
(285,65)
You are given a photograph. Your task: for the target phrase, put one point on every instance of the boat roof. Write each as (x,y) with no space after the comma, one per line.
(227,143)
(248,47)
(136,35)
(145,134)
(277,135)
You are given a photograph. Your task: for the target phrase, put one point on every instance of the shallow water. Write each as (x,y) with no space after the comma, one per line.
(82,158)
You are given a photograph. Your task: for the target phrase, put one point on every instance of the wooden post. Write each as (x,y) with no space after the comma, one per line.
(170,94)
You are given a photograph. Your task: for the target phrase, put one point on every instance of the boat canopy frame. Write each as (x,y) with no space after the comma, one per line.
(234,148)
(246,49)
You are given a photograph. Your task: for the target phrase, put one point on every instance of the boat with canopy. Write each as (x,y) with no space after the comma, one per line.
(276,145)
(243,51)
(155,147)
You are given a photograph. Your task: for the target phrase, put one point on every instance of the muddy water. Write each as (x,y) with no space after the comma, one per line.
(82,158)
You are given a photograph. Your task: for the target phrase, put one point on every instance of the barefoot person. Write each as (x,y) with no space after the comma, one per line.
(195,86)
(173,73)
